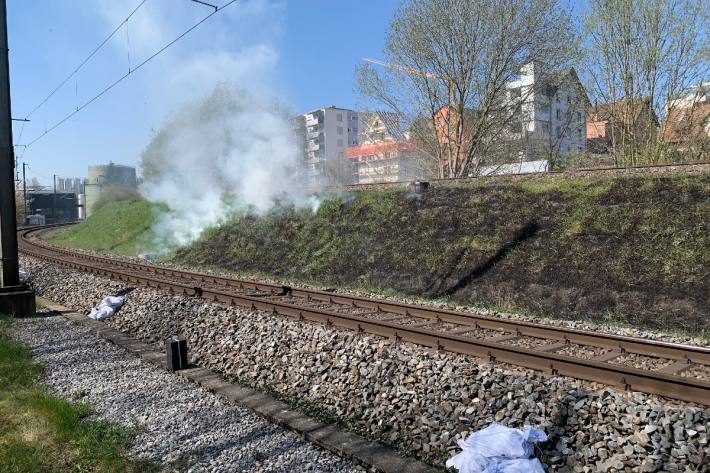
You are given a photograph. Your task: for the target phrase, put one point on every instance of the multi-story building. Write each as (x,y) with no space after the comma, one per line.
(383,153)
(539,116)
(548,116)
(329,132)
(70,184)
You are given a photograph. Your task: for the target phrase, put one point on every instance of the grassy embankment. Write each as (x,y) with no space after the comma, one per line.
(43,433)
(118,227)
(625,250)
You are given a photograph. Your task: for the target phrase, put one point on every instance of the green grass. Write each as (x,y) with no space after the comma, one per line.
(631,246)
(40,432)
(118,227)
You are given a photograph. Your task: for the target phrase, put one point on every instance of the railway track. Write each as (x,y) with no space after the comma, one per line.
(572,173)
(672,370)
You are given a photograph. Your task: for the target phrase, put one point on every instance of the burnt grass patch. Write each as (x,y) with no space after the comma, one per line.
(631,250)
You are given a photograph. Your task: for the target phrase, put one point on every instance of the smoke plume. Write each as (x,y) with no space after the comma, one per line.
(230,152)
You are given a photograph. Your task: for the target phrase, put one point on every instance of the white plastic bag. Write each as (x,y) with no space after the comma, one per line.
(499,449)
(108,306)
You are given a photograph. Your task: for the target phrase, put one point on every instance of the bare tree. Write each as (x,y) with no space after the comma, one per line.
(641,54)
(449,65)
(337,171)
(20,206)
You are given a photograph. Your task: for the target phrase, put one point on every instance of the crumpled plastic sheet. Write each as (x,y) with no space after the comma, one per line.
(108,306)
(499,449)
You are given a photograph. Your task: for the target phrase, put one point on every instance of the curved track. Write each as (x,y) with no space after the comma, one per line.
(672,370)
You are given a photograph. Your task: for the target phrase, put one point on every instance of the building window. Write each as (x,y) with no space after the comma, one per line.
(340,130)
(339,117)
(546,128)
(569,99)
(579,116)
(340,143)
(558,114)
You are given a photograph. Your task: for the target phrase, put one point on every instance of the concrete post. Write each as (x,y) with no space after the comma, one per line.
(14,299)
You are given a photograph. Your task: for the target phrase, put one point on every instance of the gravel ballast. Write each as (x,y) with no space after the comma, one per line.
(180,425)
(419,400)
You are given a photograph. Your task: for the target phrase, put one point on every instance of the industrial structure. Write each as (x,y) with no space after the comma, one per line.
(70,184)
(106,180)
(329,132)
(56,207)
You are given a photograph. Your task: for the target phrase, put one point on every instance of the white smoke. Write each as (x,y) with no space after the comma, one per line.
(232,151)
(227,145)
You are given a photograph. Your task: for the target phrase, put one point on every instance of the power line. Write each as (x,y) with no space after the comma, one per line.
(123,77)
(101,45)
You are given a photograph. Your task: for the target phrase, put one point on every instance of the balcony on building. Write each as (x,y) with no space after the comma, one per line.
(312,120)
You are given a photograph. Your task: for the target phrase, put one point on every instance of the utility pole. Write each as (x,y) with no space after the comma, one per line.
(54,201)
(15,299)
(8,232)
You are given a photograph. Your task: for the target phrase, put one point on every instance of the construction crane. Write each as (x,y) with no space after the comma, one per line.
(411,70)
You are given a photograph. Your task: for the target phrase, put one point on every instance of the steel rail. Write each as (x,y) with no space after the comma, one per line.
(624,377)
(624,344)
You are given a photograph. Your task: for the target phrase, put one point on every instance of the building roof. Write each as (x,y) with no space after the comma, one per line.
(571,74)
(605,112)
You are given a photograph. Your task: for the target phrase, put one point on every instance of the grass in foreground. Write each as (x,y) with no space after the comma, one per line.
(40,432)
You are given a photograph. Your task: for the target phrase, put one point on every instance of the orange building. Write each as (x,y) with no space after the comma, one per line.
(384,154)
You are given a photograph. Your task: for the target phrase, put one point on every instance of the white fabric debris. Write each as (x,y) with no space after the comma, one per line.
(23,276)
(499,449)
(108,306)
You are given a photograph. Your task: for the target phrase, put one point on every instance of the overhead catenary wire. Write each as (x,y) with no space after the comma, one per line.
(126,75)
(87,59)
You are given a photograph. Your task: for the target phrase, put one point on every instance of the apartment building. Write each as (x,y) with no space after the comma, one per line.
(538,116)
(549,116)
(329,132)
(383,153)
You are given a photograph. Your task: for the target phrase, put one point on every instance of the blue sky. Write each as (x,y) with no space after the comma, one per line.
(304,52)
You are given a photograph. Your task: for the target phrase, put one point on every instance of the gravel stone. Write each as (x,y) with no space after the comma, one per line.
(420,400)
(182,425)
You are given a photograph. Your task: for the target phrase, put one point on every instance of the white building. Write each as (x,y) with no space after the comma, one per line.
(549,114)
(696,94)
(329,132)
